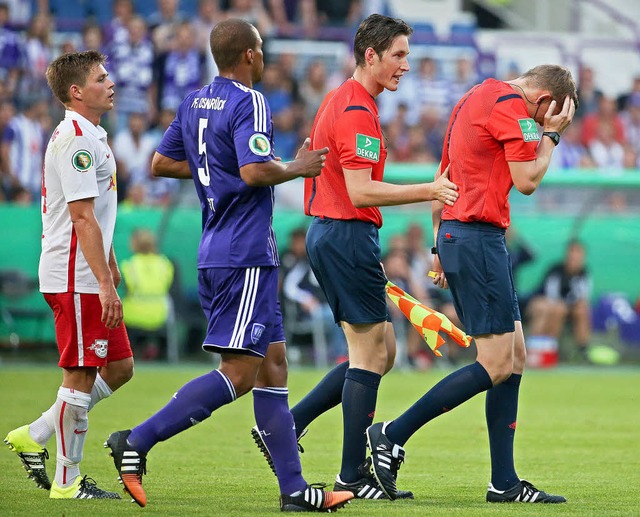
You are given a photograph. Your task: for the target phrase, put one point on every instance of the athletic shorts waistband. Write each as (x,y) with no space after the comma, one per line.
(323,219)
(474,225)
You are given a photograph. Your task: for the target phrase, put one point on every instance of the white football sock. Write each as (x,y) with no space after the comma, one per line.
(100,390)
(71,424)
(43,428)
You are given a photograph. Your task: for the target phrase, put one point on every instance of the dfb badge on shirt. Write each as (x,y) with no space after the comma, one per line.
(82,160)
(259,144)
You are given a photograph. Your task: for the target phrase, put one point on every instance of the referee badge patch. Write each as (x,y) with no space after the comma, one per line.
(82,160)
(368,147)
(259,144)
(529,130)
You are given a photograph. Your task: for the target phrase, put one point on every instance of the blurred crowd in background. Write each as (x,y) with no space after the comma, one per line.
(158,51)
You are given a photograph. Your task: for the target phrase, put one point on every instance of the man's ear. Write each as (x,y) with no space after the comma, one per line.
(369,55)
(75,92)
(543,97)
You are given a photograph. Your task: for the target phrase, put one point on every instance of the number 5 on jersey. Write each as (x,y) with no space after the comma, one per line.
(203,172)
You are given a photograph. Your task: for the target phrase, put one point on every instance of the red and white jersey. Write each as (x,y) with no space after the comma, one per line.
(78,164)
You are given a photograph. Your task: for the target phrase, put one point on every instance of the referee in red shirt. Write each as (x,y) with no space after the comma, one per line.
(343,244)
(492,143)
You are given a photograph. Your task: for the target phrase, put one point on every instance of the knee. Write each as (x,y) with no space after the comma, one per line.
(277,361)
(380,361)
(242,385)
(499,370)
(124,373)
(241,380)
(273,371)
(117,373)
(503,374)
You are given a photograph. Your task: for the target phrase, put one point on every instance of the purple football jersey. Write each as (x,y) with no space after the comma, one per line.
(219,129)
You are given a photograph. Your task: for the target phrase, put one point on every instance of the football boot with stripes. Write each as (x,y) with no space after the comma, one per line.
(314,499)
(257,437)
(522,492)
(82,488)
(367,486)
(386,458)
(130,464)
(31,453)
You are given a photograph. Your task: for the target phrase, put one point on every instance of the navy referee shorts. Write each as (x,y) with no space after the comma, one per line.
(345,258)
(477,265)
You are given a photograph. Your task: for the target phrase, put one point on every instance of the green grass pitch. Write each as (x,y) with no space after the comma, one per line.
(578,435)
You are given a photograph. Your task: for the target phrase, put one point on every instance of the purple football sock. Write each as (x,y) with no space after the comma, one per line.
(275,423)
(192,404)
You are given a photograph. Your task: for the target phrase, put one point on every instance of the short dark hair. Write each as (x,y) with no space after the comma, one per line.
(555,78)
(72,68)
(229,40)
(378,32)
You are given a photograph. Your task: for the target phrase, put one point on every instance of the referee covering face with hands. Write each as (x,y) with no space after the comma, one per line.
(492,144)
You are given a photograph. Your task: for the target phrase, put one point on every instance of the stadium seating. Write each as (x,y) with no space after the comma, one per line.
(424,33)
(462,33)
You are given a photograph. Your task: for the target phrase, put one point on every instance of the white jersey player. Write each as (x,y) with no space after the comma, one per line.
(78,276)
(78,164)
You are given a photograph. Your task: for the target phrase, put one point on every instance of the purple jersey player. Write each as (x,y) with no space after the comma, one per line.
(222,138)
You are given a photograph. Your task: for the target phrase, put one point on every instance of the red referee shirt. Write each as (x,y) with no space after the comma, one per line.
(347,123)
(489,127)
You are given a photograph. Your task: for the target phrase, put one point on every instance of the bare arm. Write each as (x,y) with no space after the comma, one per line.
(163,166)
(365,191)
(90,239)
(113,266)
(436,216)
(307,164)
(527,176)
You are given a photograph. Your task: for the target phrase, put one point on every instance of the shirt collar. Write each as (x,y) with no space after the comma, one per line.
(96,131)
(361,87)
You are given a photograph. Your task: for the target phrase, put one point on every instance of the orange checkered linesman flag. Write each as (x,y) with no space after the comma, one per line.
(425,320)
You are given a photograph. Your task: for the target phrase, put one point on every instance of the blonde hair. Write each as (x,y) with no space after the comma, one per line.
(555,78)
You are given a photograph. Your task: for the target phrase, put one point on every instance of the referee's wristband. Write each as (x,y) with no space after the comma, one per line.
(554,135)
